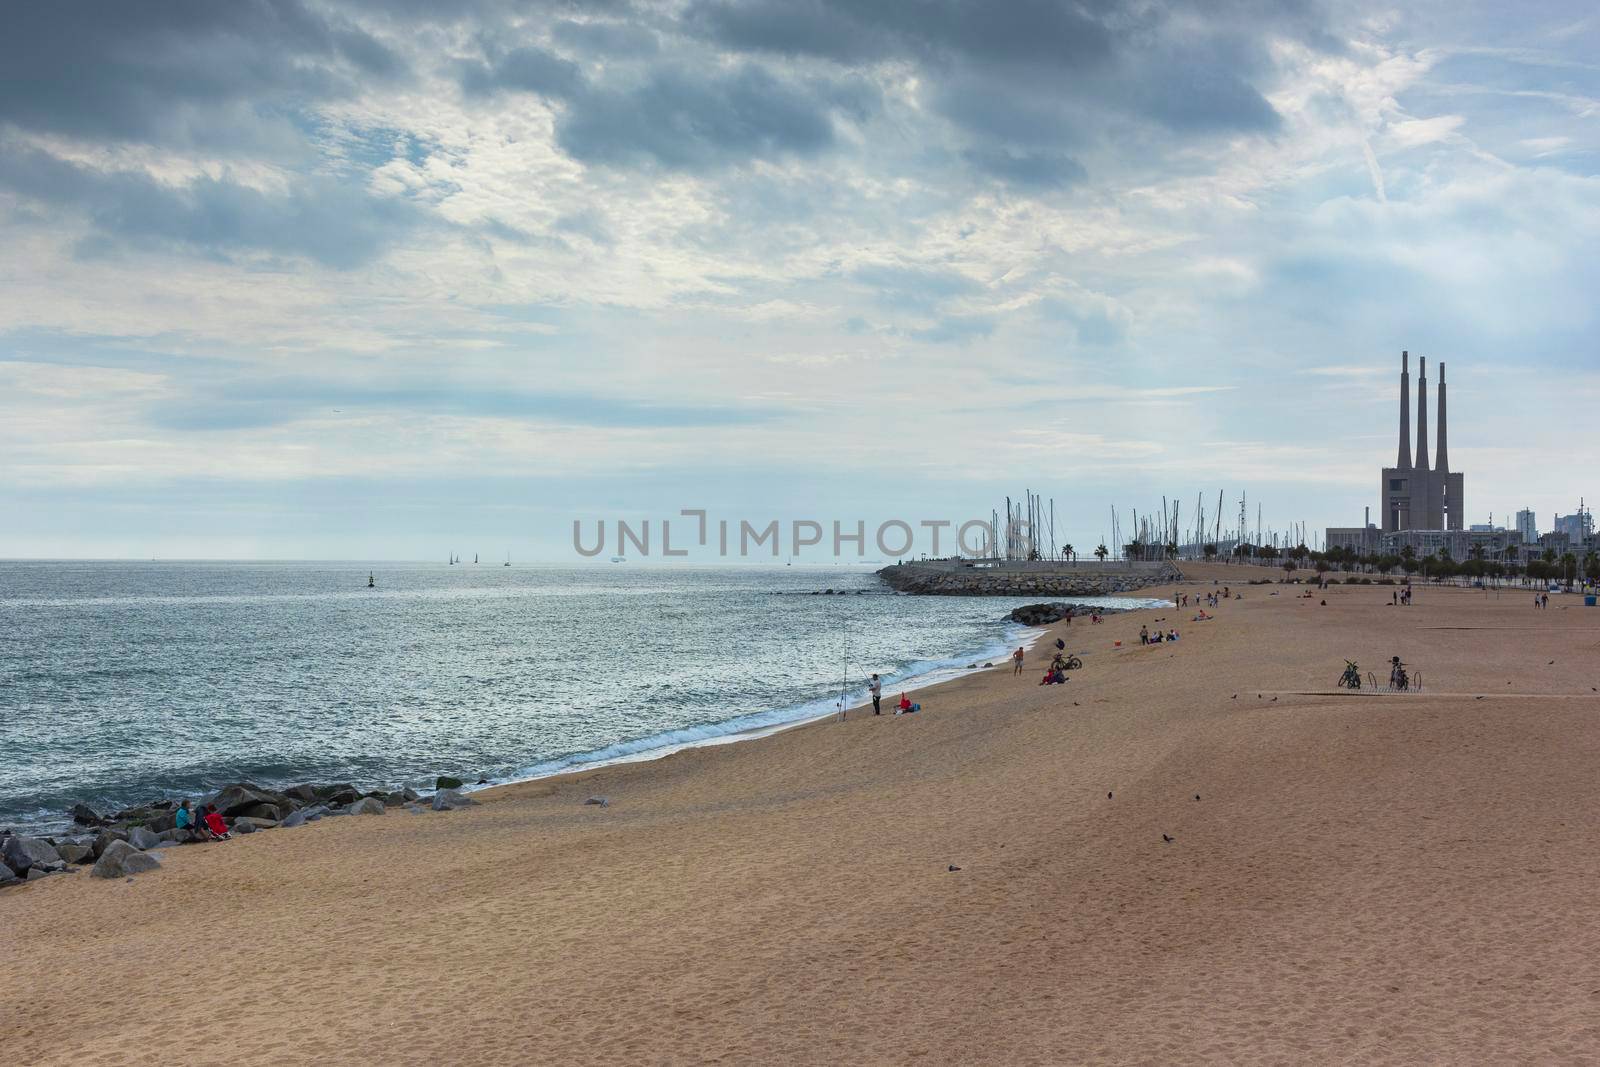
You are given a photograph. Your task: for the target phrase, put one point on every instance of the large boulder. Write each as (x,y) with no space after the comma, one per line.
(245,824)
(8,876)
(303,816)
(341,793)
(21,853)
(84,815)
(451,800)
(235,799)
(367,806)
(76,851)
(104,839)
(143,839)
(163,822)
(121,859)
(269,812)
(445,781)
(302,794)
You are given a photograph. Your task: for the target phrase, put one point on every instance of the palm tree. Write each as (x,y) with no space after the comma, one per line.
(1067,553)
(1172,550)
(1211,552)
(1102,552)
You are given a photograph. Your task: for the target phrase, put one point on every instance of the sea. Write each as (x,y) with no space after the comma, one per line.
(122,683)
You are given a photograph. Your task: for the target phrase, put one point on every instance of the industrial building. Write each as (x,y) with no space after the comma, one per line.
(1415,495)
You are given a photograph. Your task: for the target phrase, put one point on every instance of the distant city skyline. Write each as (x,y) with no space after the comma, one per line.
(340,280)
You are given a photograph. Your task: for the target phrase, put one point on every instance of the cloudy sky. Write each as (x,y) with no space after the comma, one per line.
(370,280)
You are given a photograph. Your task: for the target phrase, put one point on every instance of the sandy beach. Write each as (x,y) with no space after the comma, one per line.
(1351,878)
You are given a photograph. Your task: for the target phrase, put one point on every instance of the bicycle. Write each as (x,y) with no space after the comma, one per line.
(1351,678)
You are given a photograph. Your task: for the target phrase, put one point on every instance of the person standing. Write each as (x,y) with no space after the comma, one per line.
(1016,662)
(875,687)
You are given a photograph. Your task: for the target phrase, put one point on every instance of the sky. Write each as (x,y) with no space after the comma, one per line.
(368,280)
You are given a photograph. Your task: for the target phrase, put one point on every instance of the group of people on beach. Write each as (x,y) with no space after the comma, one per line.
(1402,596)
(1541,600)
(905,707)
(1056,674)
(1156,637)
(201,824)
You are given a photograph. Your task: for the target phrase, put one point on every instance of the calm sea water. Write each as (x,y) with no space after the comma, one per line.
(120,682)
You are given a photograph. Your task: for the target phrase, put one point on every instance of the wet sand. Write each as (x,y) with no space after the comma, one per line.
(1364,878)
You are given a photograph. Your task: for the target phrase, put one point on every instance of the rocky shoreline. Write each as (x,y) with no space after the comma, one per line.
(128,842)
(959,578)
(1055,611)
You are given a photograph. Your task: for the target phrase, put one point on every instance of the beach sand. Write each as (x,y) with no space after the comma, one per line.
(1364,878)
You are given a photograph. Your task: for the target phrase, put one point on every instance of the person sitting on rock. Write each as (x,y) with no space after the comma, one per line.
(188,820)
(214,824)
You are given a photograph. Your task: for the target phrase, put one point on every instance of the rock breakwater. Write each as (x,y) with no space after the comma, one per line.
(959,578)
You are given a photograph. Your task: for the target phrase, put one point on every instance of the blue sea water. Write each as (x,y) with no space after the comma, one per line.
(125,682)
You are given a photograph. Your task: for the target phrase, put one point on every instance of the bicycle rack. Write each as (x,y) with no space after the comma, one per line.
(1413,684)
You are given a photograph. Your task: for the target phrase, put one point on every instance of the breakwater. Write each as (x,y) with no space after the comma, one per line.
(982,578)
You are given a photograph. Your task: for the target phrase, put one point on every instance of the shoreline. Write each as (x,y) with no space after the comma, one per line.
(57,824)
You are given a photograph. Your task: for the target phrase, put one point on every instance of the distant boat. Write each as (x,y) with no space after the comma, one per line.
(508,557)
(372,582)
(474,557)
(618,559)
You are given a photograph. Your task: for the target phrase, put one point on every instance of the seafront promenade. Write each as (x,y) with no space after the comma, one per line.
(1191,852)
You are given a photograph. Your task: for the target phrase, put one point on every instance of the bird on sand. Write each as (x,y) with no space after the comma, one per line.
(1197,796)
(1168,840)
(954,868)
(1108,796)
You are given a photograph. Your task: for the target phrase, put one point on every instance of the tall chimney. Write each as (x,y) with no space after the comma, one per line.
(1405,412)
(1422,413)
(1441,455)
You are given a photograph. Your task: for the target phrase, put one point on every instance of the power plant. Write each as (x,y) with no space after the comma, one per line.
(1416,496)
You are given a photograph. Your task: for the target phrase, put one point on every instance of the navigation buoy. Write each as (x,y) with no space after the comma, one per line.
(372,582)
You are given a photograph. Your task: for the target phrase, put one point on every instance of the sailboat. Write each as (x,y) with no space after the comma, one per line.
(508,557)
(453,560)
(474,559)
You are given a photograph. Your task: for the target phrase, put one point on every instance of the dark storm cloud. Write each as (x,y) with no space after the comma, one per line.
(170,72)
(1028,82)
(529,70)
(1017,31)
(1028,170)
(318,218)
(685,119)
(606,38)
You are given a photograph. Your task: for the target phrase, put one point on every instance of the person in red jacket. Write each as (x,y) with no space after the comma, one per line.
(214,823)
